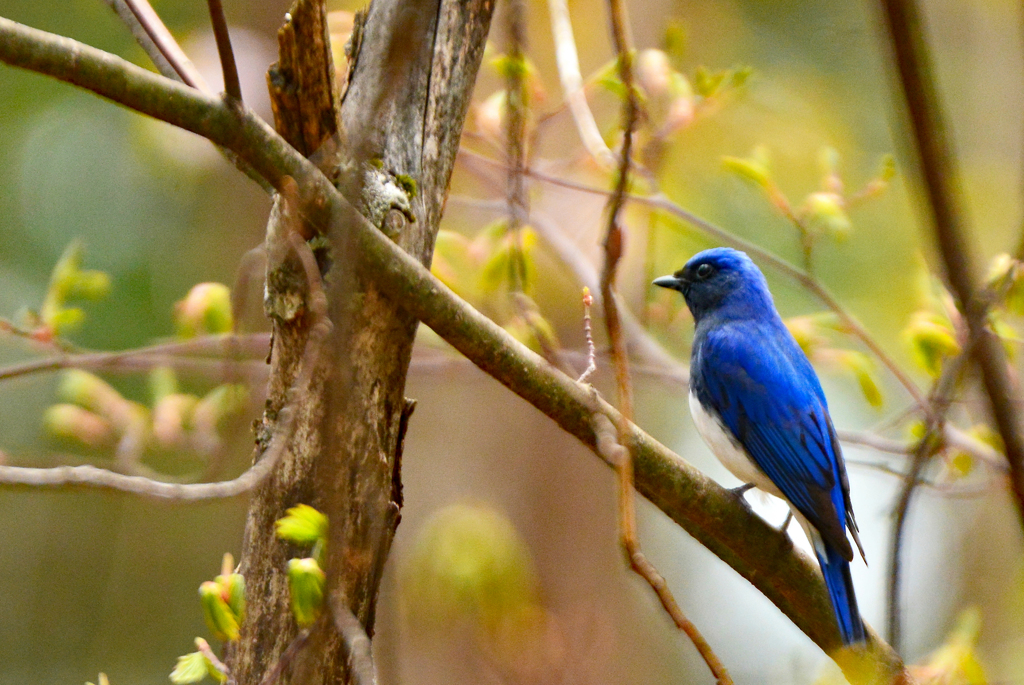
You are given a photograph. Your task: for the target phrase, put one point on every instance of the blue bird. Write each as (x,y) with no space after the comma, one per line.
(758,405)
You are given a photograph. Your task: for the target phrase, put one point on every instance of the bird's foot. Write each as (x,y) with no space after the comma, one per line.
(740,491)
(788,541)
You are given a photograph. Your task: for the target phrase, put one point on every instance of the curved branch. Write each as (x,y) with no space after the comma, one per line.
(707,511)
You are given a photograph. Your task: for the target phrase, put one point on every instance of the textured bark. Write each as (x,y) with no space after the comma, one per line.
(402,115)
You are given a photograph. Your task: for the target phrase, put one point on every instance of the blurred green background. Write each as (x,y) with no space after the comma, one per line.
(95,582)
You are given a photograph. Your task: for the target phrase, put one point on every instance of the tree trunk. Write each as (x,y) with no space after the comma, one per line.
(401,118)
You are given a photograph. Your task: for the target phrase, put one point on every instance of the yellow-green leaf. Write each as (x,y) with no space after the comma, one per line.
(190,668)
(302,525)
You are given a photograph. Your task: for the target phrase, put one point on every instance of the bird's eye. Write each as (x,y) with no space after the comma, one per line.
(704,271)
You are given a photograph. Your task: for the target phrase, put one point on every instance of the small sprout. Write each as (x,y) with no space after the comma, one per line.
(883,176)
(306,581)
(65,320)
(1006,333)
(959,464)
(190,668)
(807,333)
(755,169)
(508,251)
(233,586)
(653,72)
(932,341)
(101,680)
(206,310)
(220,619)
(69,281)
(302,525)
(72,422)
(89,391)
(826,212)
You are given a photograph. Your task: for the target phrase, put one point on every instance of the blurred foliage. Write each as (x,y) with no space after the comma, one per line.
(468,564)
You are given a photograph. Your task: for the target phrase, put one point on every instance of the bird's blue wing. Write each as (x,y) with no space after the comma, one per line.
(756,378)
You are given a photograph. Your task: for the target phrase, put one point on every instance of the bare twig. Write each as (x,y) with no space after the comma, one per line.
(615,453)
(616,448)
(178,355)
(516,108)
(232,86)
(939,399)
(355,643)
(142,37)
(572,84)
(940,177)
(150,22)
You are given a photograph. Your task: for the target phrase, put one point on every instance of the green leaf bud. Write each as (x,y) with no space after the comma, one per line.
(72,422)
(205,310)
(221,621)
(306,580)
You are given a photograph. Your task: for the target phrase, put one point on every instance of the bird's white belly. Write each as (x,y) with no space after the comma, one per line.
(728,451)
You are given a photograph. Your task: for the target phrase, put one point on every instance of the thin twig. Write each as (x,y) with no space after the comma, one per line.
(355,643)
(616,440)
(568,62)
(150,22)
(940,399)
(516,108)
(939,173)
(615,453)
(232,86)
(142,37)
(588,333)
(176,355)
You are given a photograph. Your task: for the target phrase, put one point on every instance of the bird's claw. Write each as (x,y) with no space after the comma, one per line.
(740,491)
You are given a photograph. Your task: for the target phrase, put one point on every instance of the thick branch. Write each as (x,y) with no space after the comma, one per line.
(707,511)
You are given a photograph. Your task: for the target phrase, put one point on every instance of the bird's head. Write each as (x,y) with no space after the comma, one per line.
(721,280)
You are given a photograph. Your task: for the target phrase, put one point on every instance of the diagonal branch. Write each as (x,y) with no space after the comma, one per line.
(940,177)
(703,508)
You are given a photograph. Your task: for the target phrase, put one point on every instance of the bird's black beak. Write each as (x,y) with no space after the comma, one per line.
(672,283)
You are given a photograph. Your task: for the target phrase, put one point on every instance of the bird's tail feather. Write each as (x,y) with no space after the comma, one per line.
(839,582)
